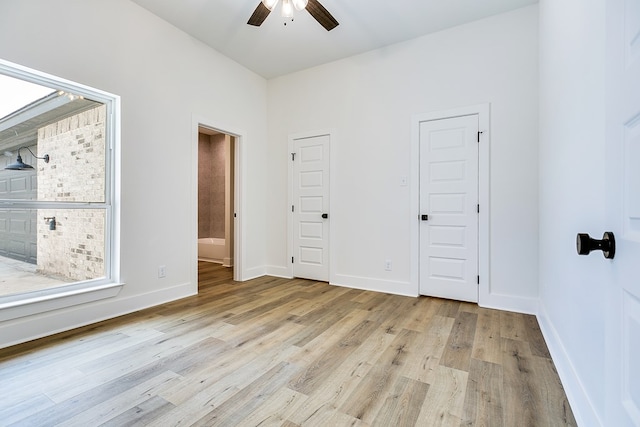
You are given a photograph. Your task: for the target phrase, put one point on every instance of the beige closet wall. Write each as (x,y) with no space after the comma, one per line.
(211,186)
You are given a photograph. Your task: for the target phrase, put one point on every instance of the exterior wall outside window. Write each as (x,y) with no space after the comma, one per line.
(75,250)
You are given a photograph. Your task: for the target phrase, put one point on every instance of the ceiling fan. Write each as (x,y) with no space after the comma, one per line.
(314,7)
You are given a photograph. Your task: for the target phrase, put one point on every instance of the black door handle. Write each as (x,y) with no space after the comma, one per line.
(325,216)
(585,244)
(424,217)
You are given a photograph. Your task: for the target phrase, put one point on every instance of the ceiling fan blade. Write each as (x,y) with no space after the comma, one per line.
(322,15)
(259,15)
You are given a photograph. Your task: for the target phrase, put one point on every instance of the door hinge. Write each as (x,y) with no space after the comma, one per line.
(292,208)
(478,207)
(291,260)
(478,277)
(293,157)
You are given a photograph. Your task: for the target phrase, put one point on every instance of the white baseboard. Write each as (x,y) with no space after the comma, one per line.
(252,273)
(377,285)
(573,388)
(33,327)
(278,271)
(509,303)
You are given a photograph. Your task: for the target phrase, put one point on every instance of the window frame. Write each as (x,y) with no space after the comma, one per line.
(80,292)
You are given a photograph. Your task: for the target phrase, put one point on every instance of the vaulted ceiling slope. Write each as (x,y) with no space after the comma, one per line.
(275,49)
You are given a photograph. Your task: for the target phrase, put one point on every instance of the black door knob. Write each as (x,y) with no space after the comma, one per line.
(325,216)
(585,244)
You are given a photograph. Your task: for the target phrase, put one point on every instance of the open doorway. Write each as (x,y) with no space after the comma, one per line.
(216,198)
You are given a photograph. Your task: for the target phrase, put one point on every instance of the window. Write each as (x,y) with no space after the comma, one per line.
(58,215)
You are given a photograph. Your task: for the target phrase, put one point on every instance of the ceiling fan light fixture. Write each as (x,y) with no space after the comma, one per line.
(287,9)
(300,4)
(315,9)
(269,4)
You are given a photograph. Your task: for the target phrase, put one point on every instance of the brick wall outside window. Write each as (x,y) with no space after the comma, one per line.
(75,250)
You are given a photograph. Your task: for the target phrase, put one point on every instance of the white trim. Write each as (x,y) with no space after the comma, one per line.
(581,405)
(27,329)
(35,302)
(511,303)
(54,82)
(332,190)
(253,273)
(483,112)
(376,285)
(197,122)
(240,250)
(278,271)
(31,303)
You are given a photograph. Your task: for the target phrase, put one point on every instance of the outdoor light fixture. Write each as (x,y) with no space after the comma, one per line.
(51,221)
(19,165)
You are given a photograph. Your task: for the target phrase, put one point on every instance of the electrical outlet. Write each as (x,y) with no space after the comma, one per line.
(162,271)
(387,265)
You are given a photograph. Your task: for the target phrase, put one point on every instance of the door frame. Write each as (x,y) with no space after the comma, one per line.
(483,113)
(621,296)
(239,252)
(290,149)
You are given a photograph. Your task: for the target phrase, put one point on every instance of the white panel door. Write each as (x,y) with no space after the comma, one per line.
(623,186)
(449,208)
(311,208)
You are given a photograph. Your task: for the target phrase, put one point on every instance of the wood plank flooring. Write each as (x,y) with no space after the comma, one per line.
(277,352)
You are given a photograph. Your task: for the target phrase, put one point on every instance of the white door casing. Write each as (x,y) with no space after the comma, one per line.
(623,213)
(449,207)
(310,159)
(240,273)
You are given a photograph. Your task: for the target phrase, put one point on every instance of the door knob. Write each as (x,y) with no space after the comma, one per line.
(424,217)
(325,216)
(585,244)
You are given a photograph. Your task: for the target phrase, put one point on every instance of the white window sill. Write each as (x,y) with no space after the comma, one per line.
(22,305)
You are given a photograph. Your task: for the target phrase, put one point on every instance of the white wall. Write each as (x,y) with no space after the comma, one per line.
(164,78)
(572,195)
(368,100)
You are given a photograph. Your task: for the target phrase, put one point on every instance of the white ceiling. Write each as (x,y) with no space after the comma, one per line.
(274,49)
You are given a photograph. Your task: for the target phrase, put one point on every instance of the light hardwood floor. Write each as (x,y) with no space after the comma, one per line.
(277,352)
